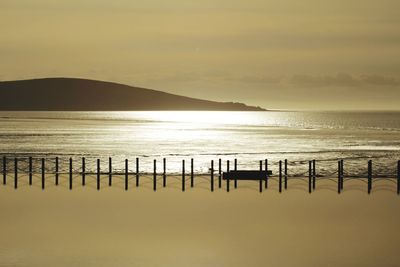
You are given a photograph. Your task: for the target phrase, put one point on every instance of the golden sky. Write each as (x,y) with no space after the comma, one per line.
(281,54)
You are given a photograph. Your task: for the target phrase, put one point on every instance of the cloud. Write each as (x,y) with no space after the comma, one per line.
(340,80)
(343,80)
(214,76)
(380,80)
(251,79)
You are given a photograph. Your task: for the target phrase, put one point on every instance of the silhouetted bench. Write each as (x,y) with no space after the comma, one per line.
(246,175)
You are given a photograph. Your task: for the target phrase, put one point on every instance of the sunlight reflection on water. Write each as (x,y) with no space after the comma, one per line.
(177,135)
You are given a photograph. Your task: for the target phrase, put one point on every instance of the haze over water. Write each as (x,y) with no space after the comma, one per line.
(247,136)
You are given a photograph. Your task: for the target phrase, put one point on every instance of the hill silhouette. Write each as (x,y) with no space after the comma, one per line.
(72,94)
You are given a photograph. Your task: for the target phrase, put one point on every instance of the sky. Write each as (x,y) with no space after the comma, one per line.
(277,54)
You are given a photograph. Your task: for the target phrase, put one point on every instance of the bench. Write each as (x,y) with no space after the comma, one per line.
(246,175)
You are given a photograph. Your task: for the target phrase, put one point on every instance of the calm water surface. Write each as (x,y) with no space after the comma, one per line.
(80,227)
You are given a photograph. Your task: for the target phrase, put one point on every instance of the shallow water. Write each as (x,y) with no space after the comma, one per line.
(113,227)
(205,136)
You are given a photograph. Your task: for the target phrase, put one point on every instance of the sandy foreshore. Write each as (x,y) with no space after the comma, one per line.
(111,227)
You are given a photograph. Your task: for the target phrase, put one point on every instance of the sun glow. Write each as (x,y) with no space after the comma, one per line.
(201,118)
(184,126)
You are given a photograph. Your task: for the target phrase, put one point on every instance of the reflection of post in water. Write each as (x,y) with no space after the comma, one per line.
(126,174)
(83,171)
(339,180)
(280,176)
(164,172)
(109,171)
(266,173)
(30,170)
(369,176)
(98,174)
(43,173)
(4,170)
(155,175)
(227,177)
(183,175)
(314,175)
(285,175)
(309,177)
(137,172)
(398,177)
(212,176)
(191,173)
(15,173)
(219,173)
(56,174)
(261,180)
(70,173)
(342,174)
(235,168)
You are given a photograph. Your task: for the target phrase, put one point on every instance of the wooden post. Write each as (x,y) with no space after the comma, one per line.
(280,176)
(309,177)
(369,176)
(313,174)
(70,173)
(191,173)
(98,174)
(235,168)
(109,171)
(266,171)
(83,172)
(15,173)
(219,173)
(285,173)
(43,173)
(154,175)
(212,175)
(183,175)
(126,174)
(341,175)
(227,178)
(56,182)
(30,170)
(4,170)
(339,180)
(398,177)
(164,172)
(261,180)
(137,172)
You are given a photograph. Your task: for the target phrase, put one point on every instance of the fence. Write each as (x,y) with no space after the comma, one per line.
(52,168)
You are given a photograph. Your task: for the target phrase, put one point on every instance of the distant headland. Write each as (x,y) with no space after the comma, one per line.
(72,94)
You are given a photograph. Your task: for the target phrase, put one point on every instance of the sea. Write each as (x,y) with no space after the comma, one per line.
(138,227)
(177,136)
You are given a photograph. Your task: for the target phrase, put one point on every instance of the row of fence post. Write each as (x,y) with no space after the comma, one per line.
(398,177)
(283,174)
(369,176)
(98,173)
(312,177)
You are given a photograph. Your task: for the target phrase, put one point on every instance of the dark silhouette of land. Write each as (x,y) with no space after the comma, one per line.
(71,94)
